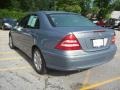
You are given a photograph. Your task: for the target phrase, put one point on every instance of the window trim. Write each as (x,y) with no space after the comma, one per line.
(26,22)
(35,22)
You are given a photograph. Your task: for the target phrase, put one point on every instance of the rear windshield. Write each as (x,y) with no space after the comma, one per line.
(68,20)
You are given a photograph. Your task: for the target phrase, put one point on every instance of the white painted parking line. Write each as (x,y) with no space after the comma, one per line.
(14,68)
(13,58)
(8,52)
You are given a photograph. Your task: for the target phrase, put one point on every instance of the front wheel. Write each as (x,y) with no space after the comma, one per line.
(39,62)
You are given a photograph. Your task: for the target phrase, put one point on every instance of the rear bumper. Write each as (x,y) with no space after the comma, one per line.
(67,63)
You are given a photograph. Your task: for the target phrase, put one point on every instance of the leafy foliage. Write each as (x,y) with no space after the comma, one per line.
(116,5)
(99,7)
(68,5)
(11,13)
(104,7)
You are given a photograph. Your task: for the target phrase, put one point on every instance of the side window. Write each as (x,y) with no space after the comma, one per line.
(24,21)
(33,22)
(37,24)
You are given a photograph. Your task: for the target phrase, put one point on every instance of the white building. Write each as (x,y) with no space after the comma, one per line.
(115,14)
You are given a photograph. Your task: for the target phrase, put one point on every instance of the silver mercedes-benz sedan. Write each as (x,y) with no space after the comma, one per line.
(62,41)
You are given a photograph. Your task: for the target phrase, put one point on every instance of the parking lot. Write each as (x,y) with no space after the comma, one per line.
(17,73)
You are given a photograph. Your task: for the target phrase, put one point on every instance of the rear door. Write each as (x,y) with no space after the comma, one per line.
(25,33)
(17,32)
(29,33)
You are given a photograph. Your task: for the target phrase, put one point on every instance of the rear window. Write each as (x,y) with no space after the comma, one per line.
(68,20)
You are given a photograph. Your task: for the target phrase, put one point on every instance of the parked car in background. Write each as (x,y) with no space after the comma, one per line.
(99,22)
(113,23)
(94,20)
(117,24)
(110,23)
(7,23)
(62,41)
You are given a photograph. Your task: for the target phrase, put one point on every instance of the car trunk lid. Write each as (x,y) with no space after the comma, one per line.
(93,40)
(90,38)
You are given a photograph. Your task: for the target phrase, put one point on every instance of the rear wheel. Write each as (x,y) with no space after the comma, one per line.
(39,62)
(11,43)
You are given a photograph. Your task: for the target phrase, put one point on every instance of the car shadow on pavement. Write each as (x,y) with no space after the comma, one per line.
(23,55)
(49,71)
(63,73)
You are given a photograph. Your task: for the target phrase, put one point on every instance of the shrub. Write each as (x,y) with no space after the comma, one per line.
(5,13)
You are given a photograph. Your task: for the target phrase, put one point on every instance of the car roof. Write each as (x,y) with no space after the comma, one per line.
(52,12)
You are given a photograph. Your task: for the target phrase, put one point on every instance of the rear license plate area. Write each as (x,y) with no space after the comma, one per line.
(97,43)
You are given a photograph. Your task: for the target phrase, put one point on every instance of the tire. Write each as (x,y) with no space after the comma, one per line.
(11,45)
(39,62)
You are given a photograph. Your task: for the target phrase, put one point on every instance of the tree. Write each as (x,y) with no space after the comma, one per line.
(104,7)
(68,5)
(5,4)
(85,6)
(116,5)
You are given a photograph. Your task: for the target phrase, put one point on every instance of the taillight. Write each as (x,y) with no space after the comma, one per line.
(113,39)
(69,42)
